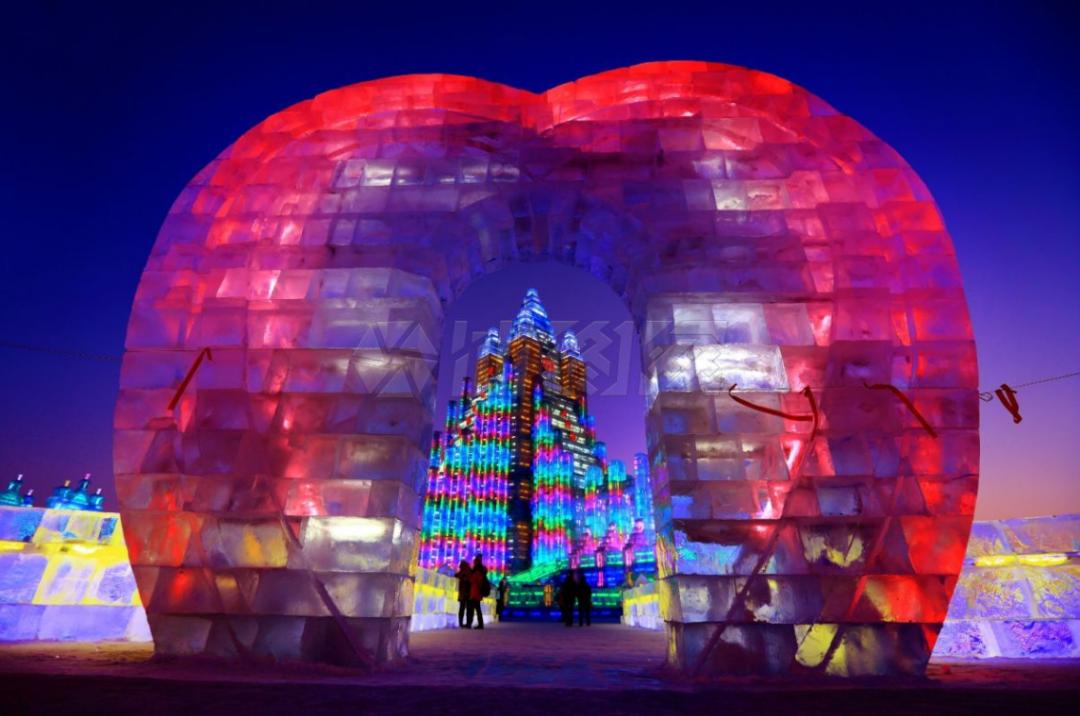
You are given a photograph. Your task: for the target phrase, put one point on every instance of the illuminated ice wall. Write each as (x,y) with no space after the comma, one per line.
(552,502)
(464,511)
(435,602)
(64,576)
(759,238)
(1019,593)
(1018,596)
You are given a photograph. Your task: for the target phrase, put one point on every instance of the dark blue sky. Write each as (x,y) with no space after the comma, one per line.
(108,113)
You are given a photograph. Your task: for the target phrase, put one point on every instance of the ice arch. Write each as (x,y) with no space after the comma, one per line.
(758,236)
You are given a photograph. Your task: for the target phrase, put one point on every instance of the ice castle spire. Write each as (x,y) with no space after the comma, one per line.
(532,320)
(491,345)
(569,345)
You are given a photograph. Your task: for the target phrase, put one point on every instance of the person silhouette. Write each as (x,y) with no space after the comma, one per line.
(479,587)
(583,595)
(502,598)
(463,594)
(566,598)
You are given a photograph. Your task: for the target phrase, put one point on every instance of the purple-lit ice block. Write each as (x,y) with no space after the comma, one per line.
(1018,596)
(64,576)
(1019,593)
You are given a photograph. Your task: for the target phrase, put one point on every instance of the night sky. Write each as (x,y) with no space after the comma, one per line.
(107,114)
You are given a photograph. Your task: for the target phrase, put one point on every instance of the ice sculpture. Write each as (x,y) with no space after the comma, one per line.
(1019,594)
(64,576)
(435,602)
(758,236)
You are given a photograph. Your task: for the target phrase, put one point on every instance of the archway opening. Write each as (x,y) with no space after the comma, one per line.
(540,464)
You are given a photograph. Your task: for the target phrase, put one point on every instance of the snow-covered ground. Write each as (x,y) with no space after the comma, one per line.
(511,669)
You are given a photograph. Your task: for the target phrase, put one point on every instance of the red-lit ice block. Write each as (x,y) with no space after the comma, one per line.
(759,237)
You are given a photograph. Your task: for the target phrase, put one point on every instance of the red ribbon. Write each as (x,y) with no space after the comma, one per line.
(906,401)
(205,352)
(809,394)
(1007,396)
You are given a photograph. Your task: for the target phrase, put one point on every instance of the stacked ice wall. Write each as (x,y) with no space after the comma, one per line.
(64,576)
(641,607)
(1018,596)
(760,238)
(435,602)
(1019,593)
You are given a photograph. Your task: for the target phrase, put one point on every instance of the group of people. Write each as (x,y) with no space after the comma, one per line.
(575,589)
(474,587)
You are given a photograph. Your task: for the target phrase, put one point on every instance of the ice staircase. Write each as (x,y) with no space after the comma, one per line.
(533,593)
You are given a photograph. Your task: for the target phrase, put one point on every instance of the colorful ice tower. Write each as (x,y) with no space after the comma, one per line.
(518,465)
(465,509)
(644,530)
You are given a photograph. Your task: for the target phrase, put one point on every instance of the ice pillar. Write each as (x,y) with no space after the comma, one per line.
(274,512)
(789,545)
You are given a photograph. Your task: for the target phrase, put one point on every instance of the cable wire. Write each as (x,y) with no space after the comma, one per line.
(1048,380)
(60,352)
